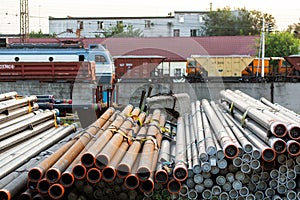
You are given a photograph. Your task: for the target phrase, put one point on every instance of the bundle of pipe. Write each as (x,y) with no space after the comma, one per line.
(115,147)
(34,151)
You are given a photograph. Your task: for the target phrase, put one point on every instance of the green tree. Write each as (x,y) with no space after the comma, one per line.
(40,34)
(280,44)
(121,31)
(238,22)
(295,29)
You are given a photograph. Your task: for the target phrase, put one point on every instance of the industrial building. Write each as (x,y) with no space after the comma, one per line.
(181,24)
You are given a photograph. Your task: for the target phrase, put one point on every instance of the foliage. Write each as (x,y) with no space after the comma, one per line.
(295,29)
(238,22)
(280,44)
(122,31)
(40,34)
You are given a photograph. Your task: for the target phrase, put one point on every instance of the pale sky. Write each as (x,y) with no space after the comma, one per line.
(285,13)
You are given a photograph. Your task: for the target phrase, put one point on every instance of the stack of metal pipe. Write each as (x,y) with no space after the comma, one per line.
(236,148)
(25,131)
(111,158)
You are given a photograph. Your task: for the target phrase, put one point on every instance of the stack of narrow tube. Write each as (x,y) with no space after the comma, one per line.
(236,148)
(25,131)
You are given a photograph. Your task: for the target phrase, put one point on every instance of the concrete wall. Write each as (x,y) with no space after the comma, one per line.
(285,94)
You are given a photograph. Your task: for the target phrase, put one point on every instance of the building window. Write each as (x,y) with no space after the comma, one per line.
(200,18)
(147,23)
(194,32)
(177,72)
(100,24)
(176,32)
(80,25)
(181,18)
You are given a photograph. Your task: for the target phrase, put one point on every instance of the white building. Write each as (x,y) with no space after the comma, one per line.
(181,24)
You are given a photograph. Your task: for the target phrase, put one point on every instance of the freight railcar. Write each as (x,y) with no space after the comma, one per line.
(242,68)
(42,55)
(229,68)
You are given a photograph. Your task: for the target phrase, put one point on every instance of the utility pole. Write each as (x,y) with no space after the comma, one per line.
(24,21)
(263,49)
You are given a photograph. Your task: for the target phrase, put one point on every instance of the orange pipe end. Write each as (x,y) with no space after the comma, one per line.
(180,172)
(131,181)
(35,174)
(67,179)
(56,191)
(79,171)
(147,186)
(93,175)
(161,176)
(109,173)
(5,194)
(53,175)
(174,186)
(268,154)
(123,171)
(43,186)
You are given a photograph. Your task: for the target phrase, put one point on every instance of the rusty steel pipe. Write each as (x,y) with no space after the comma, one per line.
(56,191)
(88,158)
(43,186)
(127,162)
(93,175)
(36,173)
(174,186)
(54,173)
(229,147)
(109,173)
(277,128)
(293,148)
(103,158)
(77,171)
(180,172)
(148,185)
(132,180)
(146,161)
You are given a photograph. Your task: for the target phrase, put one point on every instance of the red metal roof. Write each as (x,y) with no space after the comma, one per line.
(173,48)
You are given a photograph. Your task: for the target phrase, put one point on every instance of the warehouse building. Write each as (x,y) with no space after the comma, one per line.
(181,24)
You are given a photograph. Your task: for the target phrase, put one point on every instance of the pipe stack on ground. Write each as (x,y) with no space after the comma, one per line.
(238,148)
(25,131)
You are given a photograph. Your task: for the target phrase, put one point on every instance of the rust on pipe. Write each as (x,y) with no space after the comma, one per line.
(174,186)
(93,175)
(106,154)
(76,170)
(42,186)
(148,185)
(132,181)
(56,191)
(144,169)
(27,195)
(53,174)
(88,158)
(109,172)
(293,148)
(36,173)
(180,172)
(127,162)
